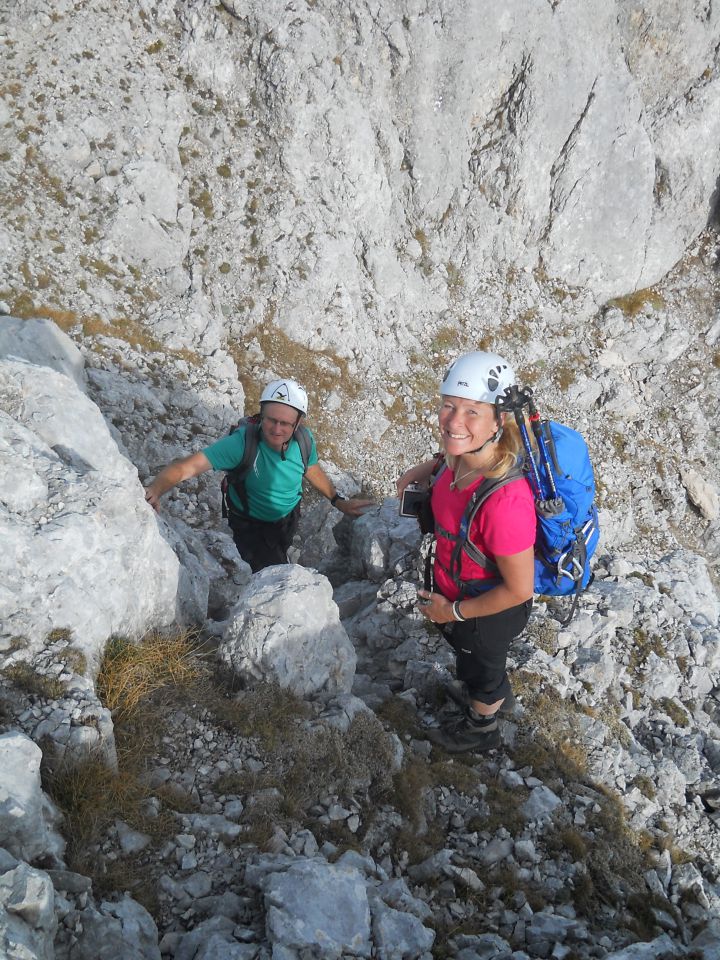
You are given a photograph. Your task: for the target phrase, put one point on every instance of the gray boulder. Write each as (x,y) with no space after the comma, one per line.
(82,550)
(340,909)
(285,628)
(42,343)
(685,577)
(319,906)
(398,935)
(380,539)
(116,931)
(27,816)
(27,917)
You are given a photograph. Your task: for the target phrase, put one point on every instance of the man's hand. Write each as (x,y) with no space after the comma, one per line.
(153,497)
(175,473)
(353,508)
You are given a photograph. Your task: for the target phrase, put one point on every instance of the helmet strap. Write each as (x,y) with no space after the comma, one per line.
(498,433)
(493,439)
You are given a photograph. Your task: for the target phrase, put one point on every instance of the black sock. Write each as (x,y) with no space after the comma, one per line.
(478,720)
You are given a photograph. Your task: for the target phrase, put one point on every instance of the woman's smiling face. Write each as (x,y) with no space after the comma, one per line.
(465,425)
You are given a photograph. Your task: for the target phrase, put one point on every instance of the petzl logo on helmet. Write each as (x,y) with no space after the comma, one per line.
(463,383)
(281,392)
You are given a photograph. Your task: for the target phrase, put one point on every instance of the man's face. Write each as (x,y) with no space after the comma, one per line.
(278,423)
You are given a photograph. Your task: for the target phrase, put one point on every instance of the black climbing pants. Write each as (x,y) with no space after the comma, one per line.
(481,645)
(263,543)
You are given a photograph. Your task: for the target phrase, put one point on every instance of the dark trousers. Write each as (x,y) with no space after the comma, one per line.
(263,543)
(481,645)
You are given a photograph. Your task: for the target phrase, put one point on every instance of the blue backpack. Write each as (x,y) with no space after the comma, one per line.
(561,476)
(568,530)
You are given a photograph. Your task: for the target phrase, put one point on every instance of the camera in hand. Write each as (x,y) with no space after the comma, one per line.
(413,498)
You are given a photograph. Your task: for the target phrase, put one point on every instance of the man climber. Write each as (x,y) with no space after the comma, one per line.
(263,498)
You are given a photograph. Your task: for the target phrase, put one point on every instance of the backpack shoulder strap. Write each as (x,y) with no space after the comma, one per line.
(304,440)
(236,476)
(252,437)
(483,492)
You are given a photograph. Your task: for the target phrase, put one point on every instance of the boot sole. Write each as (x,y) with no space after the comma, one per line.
(469,747)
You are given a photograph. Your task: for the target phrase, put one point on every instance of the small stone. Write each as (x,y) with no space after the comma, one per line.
(197,885)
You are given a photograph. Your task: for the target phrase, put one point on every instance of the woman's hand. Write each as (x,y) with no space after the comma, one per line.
(515,587)
(420,474)
(435,607)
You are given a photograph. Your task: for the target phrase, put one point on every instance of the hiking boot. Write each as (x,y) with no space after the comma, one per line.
(465,735)
(456,691)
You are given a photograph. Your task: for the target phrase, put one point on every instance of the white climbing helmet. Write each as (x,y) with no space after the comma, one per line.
(288,392)
(478,376)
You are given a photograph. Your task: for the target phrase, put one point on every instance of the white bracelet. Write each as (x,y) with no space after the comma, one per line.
(456,612)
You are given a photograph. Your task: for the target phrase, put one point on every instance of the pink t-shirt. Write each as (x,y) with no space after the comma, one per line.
(504,525)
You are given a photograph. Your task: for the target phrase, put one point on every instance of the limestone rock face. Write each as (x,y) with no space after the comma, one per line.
(81,549)
(286,628)
(379,539)
(27,918)
(43,343)
(522,133)
(374,165)
(117,931)
(27,816)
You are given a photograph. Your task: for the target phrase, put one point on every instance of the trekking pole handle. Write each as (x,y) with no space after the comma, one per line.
(514,399)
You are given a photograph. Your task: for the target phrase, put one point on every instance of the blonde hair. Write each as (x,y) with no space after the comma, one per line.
(509,450)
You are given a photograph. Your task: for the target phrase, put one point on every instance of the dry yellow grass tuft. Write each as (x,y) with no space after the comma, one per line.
(131,672)
(634,303)
(23,676)
(133,681)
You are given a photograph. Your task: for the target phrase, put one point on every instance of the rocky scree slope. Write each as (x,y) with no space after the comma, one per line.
(594,828)
(196,192)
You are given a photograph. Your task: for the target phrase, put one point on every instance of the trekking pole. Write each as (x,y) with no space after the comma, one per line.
(542,446)
(514,400)
(552,505)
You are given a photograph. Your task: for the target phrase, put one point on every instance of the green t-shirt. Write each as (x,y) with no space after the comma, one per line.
(273,485)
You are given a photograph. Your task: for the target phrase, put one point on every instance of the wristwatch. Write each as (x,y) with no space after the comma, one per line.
(334,500)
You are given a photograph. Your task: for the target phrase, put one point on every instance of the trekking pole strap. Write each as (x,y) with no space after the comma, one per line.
(574,605)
